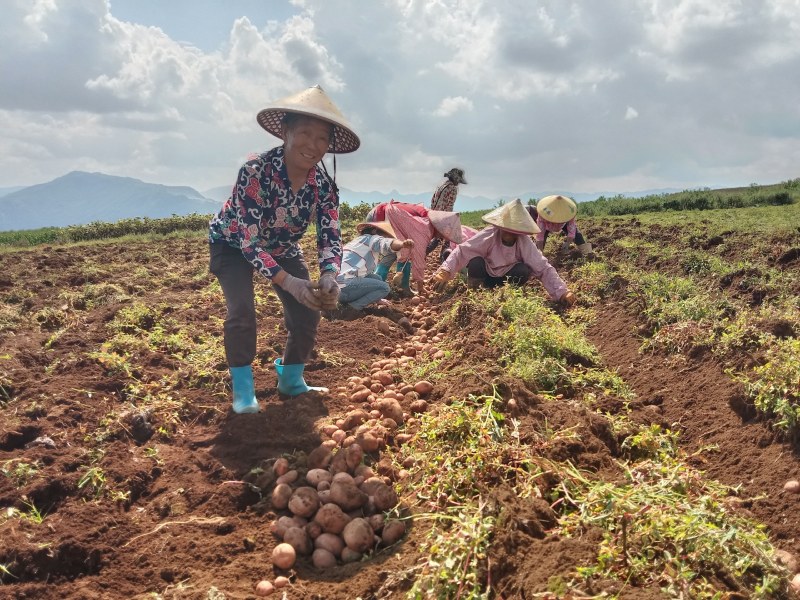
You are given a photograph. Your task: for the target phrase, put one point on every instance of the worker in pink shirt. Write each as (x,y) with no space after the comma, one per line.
(503,253)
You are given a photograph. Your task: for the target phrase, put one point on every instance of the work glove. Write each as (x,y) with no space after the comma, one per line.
(328,290)
(304,291)
(440,280)
(568,299)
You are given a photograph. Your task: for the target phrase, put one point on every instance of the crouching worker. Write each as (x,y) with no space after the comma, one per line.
(359,284)
(276,197)
(557,214)
(503,253)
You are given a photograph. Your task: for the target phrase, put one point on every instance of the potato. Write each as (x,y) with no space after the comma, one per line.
(392,532)
(391,408)
(353,456)
(347,495)
(339,462)
(322,486)
(322,559)
(281,495)
(353,419)
(358,535)
(280,582)
(330,542)
(418,406)
(403,438)
(304,502)
(383,377)
(284,556)
(313,529)
(264,588)
(368,442)
(342,476)
(280,466)
(331,518)
(315,476)
(360,396)
(349,555)
(423,387)
(384,497)
(298,539)
(283,523)
(324,495)
(376,522)
(364,471)
(338,436)
(319,458)
(288,477)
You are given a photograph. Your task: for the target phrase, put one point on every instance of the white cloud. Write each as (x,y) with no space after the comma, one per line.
(449,106)
(524,94)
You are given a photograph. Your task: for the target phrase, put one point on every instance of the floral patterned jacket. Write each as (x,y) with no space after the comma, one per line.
(265,219)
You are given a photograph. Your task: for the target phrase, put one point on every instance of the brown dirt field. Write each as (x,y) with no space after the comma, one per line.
(191,525)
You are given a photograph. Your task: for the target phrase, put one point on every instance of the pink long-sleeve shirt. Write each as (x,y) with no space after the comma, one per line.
(499,258)
(410,227)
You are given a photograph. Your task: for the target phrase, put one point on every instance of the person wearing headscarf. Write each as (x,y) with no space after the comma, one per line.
(556,214)
(416,223)
(444,198)
(503,252)
(259,228)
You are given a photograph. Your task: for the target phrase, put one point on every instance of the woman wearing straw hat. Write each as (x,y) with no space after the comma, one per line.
(259,229)
(503,253)
(360,285)
(557,213)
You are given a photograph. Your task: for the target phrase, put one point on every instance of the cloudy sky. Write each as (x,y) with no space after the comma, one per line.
(573,96)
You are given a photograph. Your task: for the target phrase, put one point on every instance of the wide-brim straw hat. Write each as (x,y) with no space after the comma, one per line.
(557,209)
(512,217)
(383,226)
(312,102)
(447,223)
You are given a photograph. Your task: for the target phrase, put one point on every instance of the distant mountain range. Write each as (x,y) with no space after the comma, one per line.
(78,198)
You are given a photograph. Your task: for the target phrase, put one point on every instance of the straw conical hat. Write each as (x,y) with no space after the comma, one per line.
(383,226)
(312,102)
(512,217)
(447,223)
(557,209)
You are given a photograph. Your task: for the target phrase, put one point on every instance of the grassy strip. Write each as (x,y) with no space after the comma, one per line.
(662,524)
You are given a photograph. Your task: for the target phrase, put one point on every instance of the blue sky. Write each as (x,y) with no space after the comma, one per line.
(571,96)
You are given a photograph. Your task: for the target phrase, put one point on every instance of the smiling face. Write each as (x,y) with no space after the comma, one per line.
(306,141)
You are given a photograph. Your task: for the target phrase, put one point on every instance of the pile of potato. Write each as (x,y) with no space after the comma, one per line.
(335,510)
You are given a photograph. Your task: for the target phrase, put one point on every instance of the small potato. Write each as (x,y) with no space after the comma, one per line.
(349,555)
(331,518)
(383,377)
(338,436)
(313,529)
(342,476)
(315,476)
(353,456)
(281,495)
(280,466)
(284,522)
(264,588)
(330,542)
(288,477)
(304,502)
(298,539)
(418,406)
(392,532)
(358,535)
(423,388)
(792,486)
(280,582)
(284,556)
(323,486)
(322,559)
(329,429)
(391,408)
(319,458)
(347,496)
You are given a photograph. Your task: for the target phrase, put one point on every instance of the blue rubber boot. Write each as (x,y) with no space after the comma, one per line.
(382,271)
(290,379)
(244,392)
(406,282)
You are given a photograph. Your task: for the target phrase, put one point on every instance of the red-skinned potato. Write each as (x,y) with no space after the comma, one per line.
(313,529)
(358,535)
(376,521)
(319,458)
(390,407)
(331,518)
(284,522)
(280,466)
(330,542)
(323,559)
(284,556)
(315,476)
(342,476)
(347,495)
(349,555)
(288,477)
(281,582)
(353,456)
(264,588)
(392,532)
(298,539)
(281,495)
(423,388)
(304,502)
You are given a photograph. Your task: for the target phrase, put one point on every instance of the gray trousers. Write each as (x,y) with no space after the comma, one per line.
(235,275)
